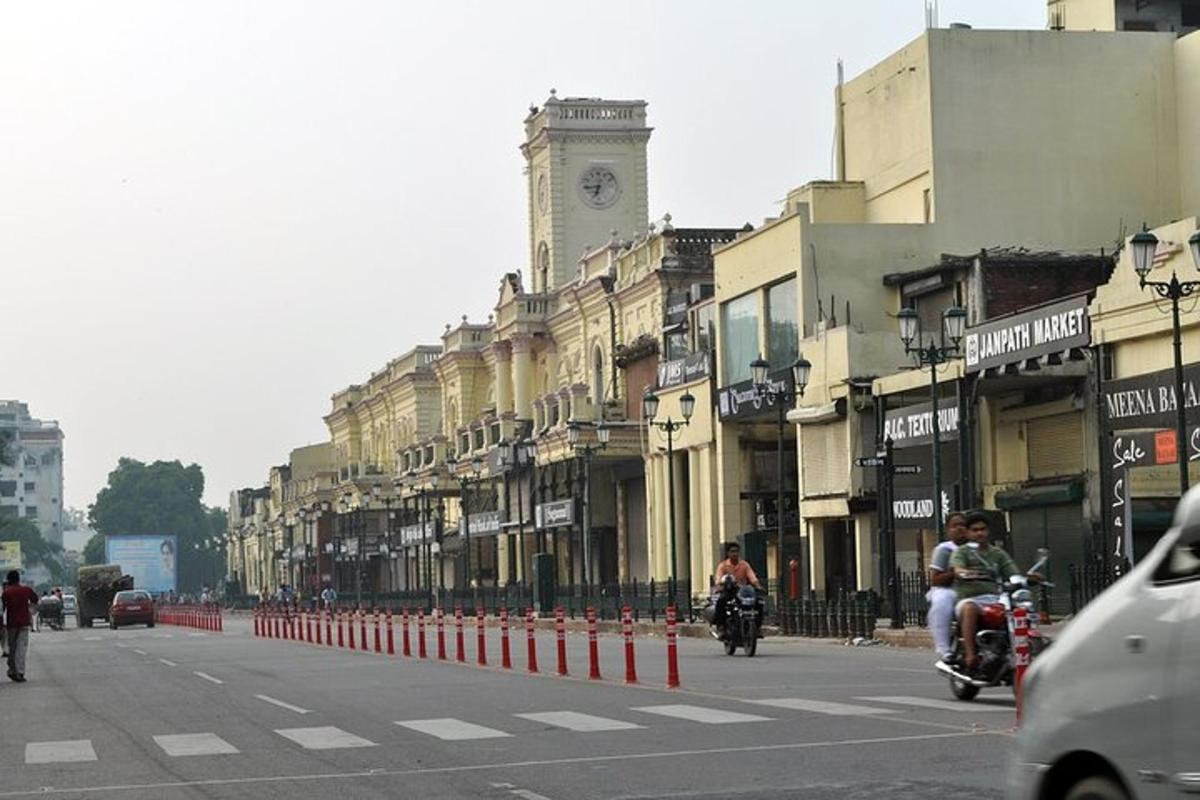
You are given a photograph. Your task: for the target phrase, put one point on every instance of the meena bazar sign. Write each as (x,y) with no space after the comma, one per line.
(1052,328)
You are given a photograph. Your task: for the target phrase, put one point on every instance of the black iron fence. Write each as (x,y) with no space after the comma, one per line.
(1086,581)
(843,615)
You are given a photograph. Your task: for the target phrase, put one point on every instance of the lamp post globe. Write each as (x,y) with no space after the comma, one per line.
(800,373)
(954,323)
(1144,245)
(602,434)
(650,405)
(759,368)
(909,323)
(687,406)
(1194,246)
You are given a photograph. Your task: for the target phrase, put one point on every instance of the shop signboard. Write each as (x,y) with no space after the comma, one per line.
(911,426)
(915,508)
(683,370)
(1148,401)
(151,560)
(743,401)
(10,557)
(1050,328)
(482,523)
(555,514)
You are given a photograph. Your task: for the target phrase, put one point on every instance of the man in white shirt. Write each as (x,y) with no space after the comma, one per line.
(941,594)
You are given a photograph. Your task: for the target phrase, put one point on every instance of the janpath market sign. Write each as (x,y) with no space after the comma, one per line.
(1052,328)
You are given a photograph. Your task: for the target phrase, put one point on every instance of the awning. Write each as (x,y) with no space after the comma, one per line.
(1034,496)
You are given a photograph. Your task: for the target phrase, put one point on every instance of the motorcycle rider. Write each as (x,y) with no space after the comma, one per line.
(942,596)
(978,566)
(742,574)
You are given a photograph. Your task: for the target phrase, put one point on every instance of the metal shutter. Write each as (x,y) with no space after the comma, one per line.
(1055,445)
(825,459)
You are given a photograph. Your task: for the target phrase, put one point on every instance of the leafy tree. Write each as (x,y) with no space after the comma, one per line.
(34,549)
(161,498)
(93,551)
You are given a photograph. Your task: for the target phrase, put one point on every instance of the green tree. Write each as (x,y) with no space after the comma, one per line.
(162,499)
(34,549)
(93,551)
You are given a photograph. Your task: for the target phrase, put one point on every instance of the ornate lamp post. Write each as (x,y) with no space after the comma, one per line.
(932,355)
(783,398)
(587,450)
(1144,245)
(687,405)
(517,455)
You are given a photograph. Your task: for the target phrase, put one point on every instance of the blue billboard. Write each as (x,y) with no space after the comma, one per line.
(151,560)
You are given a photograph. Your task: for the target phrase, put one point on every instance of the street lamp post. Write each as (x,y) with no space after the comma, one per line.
(1144,246)
(783,399)
(464,482)
(933,354)
(587,451)
(687,405)
(517,455)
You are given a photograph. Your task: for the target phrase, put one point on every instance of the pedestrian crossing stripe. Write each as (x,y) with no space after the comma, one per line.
(452,730)
(823,707)
(60,752)
(582,723)
(936,703)
(325,737)
(711,716)
(194,744)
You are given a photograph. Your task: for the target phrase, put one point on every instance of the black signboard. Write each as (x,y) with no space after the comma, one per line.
(1051,328)
(911,426)
(1148,401)
(915,508)
(742,400)
(683,370)
(675,311)
(555,514)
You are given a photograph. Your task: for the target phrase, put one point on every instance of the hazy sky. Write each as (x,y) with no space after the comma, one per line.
(215,214)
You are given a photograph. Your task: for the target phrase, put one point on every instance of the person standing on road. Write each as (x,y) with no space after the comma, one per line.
(941,594)
(18,601)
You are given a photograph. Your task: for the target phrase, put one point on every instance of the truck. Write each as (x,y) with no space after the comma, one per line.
(97,585)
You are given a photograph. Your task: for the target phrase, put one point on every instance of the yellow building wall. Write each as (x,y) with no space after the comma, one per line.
(1187,89)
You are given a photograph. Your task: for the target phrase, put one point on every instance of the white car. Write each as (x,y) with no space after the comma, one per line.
(1112,708)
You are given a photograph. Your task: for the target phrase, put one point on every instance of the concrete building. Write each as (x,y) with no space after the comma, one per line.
(32,486)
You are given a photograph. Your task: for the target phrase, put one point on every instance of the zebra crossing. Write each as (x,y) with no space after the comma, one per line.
(450,729)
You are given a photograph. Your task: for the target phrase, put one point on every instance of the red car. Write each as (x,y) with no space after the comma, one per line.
(131,608)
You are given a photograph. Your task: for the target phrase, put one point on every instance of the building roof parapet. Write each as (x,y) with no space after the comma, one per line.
(585,114)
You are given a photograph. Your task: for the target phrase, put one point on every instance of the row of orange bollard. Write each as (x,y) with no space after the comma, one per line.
(352,633)
(203,618)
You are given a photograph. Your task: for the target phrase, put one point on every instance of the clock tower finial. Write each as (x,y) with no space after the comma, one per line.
(586,166)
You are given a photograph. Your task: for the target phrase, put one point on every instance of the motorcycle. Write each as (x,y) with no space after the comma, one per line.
(744,612)
(994,637)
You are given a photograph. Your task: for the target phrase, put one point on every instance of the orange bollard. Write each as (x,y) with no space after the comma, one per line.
(308,628)
(421,653)
(505,653)
(531,641)
(480,639)
(350,625)
(459,649)
(391,640)
(278,626)
(341,620)
(672,650)
(406,647)
(627,632)
(440,616)
(560,636)
(376,641)
(329,627)
(257,621)
(317,625)
(362,625)
(593,646)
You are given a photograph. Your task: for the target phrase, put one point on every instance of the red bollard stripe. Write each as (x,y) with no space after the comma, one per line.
(560,636)
(627,632)
(480,639)
(505,652)
(593,647)
(532,642)
(672,650)
(460,654)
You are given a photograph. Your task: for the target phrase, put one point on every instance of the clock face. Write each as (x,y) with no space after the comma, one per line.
(598,187)
(543,193)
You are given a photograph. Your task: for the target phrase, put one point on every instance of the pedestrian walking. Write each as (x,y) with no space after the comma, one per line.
(18,602)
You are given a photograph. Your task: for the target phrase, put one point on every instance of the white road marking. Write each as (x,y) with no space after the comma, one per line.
(282,704)
(59,752)
(93,638)
(823,707)
(941,705)
(574,721)
(503,766)
(194,744)
(207,677)
(711,716)
(323,738)
(168,662)
(452,730)
(140,652)
(526,794)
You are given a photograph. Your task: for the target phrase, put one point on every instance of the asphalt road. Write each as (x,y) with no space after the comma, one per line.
(173,713)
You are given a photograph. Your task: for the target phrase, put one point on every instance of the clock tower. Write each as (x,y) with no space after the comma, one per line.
(586,165)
